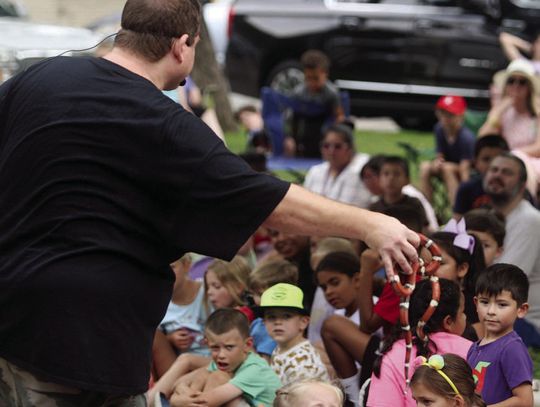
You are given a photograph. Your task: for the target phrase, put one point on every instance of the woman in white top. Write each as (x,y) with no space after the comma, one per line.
(338,177)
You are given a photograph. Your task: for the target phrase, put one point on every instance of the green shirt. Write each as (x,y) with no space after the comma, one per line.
(256,379)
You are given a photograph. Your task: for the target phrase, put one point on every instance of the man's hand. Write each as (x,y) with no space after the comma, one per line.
(393,241)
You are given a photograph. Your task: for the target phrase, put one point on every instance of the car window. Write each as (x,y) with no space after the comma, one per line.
(8,9)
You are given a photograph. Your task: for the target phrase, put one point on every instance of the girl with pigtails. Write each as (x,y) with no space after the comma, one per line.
(443,332)
(462,261)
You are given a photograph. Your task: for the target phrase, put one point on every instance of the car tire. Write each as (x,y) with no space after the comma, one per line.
(286,76)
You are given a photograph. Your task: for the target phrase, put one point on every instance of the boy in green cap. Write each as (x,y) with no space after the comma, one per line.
(285,319)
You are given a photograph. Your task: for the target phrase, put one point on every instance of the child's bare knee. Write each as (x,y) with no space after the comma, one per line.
(330,326)
(216,379)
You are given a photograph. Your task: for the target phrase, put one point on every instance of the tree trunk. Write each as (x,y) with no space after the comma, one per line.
(209,77)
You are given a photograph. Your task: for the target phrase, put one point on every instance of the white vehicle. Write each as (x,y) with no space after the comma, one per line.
(217,16)
(23,43)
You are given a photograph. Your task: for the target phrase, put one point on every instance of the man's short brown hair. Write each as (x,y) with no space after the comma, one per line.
(149,26)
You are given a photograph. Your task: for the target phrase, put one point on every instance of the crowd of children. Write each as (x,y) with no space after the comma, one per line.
(314,321)
(240,336)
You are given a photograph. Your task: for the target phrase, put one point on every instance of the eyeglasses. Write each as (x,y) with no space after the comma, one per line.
(335,146)
(518,81)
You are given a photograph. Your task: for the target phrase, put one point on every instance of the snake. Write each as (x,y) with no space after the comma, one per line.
(405,289)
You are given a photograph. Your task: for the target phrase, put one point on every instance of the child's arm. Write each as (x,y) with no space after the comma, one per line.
(369,264)
(522,396)
(339,113)
(219,395)
(493,121)
(189,387)
(464,170)
(179,370)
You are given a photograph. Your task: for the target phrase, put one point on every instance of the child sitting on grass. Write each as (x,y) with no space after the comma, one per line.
(501,364)
(264,276)
(489,227)
(393,177)
(286,319)
(444,381)
(444,329)
(236,374)
(184,321)
(309,393)
(454,144)
(319,91)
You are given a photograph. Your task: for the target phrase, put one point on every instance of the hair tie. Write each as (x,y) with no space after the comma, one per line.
(436,362)
(462,240)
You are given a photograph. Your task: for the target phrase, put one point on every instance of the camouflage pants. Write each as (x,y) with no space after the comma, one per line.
(19,388)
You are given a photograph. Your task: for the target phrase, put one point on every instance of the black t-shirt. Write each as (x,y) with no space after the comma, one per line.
(103,182)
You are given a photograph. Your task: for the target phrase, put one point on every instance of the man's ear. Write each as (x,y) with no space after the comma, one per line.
(178,47)
(248,343)
(522,310)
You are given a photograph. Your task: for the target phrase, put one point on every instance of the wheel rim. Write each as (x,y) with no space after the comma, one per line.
(287,80)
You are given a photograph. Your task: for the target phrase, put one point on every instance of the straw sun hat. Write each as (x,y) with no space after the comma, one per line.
(521,67)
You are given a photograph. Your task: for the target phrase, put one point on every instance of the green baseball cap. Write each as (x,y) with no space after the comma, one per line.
(283,295)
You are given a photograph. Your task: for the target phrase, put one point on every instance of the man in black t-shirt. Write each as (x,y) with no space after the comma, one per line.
(104,181)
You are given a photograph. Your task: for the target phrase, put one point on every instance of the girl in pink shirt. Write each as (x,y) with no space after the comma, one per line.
(444,328)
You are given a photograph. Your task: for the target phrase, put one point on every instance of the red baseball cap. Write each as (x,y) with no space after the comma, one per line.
(452,104)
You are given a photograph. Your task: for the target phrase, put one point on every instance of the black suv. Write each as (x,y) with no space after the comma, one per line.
(395,57)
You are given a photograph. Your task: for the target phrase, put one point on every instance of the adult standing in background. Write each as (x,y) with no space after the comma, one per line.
(104,182)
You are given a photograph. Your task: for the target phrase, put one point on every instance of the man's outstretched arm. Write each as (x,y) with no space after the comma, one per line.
(306,213)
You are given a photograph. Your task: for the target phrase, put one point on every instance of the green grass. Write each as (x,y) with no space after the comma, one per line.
(535,355)
(370,142)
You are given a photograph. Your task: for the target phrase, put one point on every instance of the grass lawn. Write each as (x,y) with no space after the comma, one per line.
(370,142)
(535,355)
